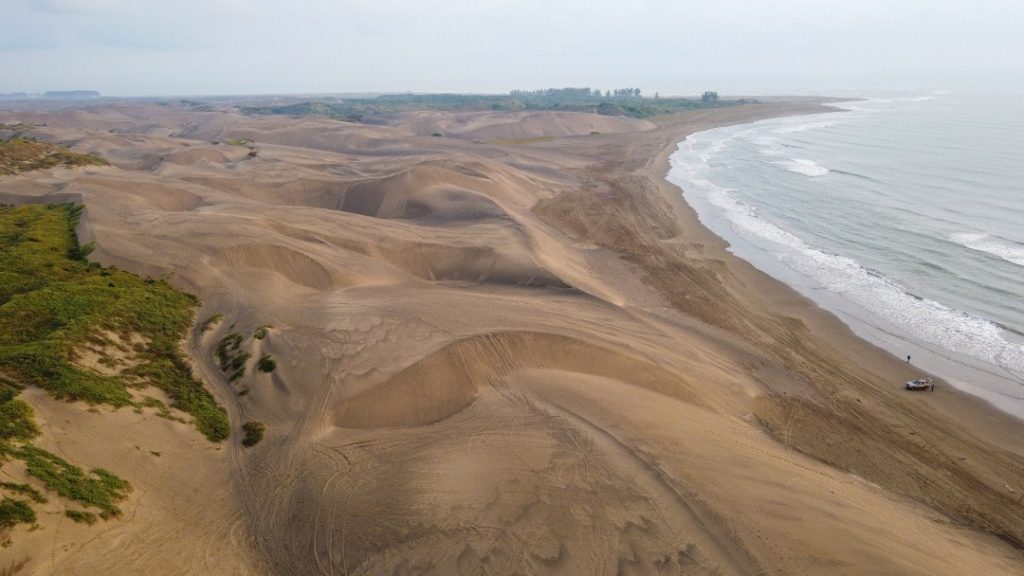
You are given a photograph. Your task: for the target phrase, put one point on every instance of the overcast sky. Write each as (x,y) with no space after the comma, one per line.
(196,47)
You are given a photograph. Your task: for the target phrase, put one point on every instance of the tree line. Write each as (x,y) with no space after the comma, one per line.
(572,93)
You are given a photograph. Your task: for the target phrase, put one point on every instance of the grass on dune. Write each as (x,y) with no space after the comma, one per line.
(81,516)
(52,300)
(16,417)
(12,513)
(24,154)
(97,488)
(24,490)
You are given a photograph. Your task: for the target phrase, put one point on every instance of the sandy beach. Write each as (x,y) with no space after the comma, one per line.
(509,350)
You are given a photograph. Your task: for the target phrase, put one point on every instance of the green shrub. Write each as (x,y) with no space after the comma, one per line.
(266,363)
(230,357)
(81,516)
(253,433)
(227,348)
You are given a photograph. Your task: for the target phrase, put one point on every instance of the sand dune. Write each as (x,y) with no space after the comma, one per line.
(508,350)
(448,380)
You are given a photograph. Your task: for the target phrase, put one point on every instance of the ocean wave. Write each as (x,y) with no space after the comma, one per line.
(806,126)
(925,319)
(857,175)
(706,150)
(985,243)
(803,166)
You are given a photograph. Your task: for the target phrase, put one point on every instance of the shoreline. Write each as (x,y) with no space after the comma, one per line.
(998,425)
(966,374)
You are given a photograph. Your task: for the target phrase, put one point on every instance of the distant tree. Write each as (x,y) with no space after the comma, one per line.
(709,97)
(626,93)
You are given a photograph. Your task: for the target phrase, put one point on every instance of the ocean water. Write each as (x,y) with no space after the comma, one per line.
(903,216)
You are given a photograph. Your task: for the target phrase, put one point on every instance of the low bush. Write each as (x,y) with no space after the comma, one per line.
(81,516)
(253,433)
(266,363)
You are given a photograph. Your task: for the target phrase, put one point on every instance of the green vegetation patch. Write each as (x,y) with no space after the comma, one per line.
(230,357)
(16,420)
(266,363)
(21,154)
(161,409)
(253,433)
(81,516)
(97,488)
(12,513)
(52,300)
(24,490)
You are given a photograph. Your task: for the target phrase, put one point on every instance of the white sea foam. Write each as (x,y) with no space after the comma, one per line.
(803,166)
(768,146)
(804,127)
(985,243)
(705,149)
(926,320)
(980,353)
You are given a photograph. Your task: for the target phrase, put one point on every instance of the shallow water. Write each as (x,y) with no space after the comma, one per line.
(904,216)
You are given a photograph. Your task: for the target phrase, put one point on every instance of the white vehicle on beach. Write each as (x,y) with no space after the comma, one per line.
(920,384)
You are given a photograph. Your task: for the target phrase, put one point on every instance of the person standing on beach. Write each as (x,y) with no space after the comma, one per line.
(908,358)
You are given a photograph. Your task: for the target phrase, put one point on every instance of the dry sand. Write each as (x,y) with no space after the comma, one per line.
(511,350)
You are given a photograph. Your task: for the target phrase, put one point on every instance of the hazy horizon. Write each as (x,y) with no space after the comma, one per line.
(234,47)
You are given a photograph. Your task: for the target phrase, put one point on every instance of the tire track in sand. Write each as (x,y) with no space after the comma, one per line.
(683,512)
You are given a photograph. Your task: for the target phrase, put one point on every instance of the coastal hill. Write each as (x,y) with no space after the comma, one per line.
(486,341)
